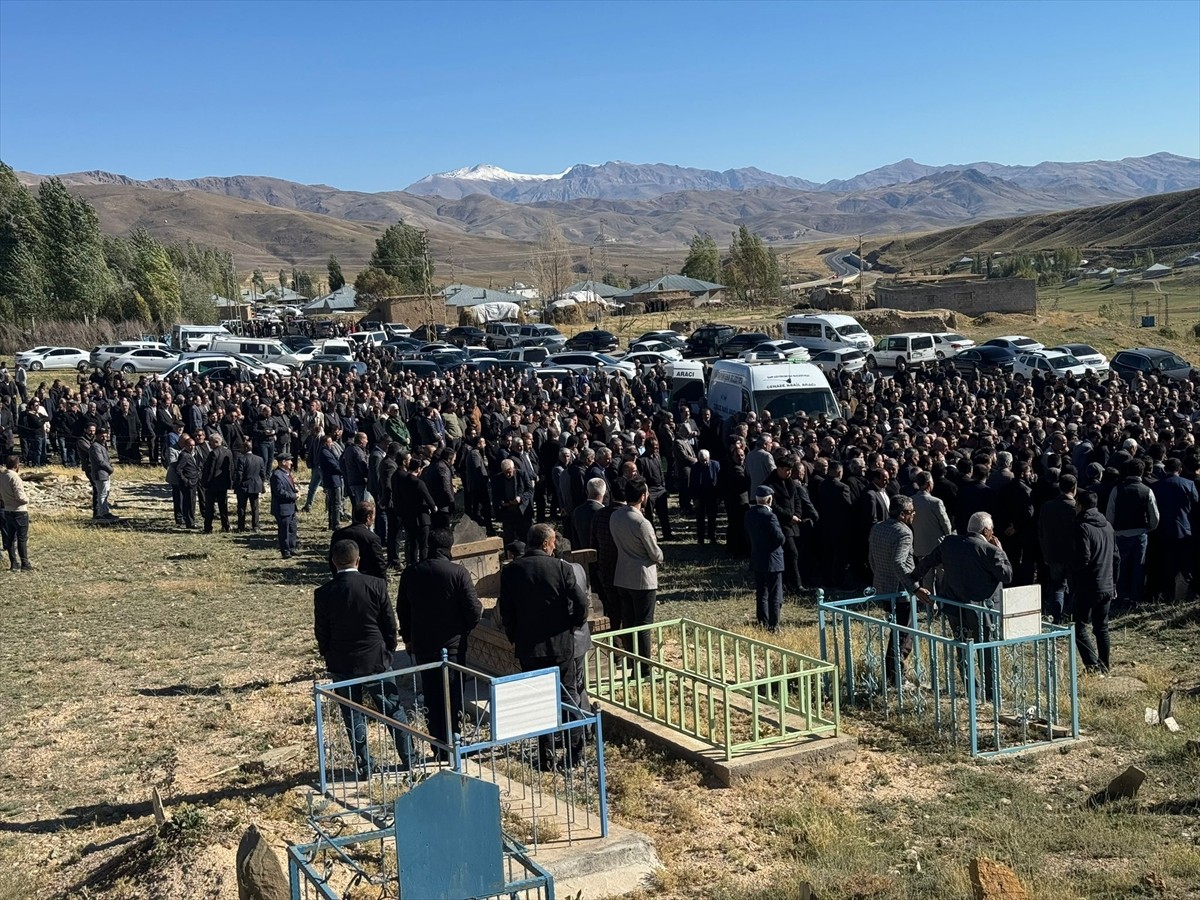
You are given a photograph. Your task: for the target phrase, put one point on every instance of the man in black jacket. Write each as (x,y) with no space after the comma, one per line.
(835,507)
(372,558)
(542,604)
(1092,581)
(792,507)
(187,471)
(438,608)
(411,498)
(217,478)
(249,482)
(356,634)
(1056,534)
(1133,513)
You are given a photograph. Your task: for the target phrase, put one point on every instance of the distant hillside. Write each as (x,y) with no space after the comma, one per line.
(1165,220)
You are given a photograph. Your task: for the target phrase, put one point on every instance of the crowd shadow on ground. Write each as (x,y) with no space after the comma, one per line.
(217,689)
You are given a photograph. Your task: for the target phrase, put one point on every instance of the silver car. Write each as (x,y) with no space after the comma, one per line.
(145,359)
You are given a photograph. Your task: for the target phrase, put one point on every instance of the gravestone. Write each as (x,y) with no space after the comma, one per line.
(1021,611)
(260,873)
(991,880)
(1124,787)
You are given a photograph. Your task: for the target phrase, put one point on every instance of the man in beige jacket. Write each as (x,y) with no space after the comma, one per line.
(15,514)
(638,556)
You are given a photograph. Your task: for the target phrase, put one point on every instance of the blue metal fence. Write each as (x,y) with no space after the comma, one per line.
(542,803)
(943,667)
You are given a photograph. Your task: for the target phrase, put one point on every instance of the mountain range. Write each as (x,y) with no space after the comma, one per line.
(630,209)
(1126,178)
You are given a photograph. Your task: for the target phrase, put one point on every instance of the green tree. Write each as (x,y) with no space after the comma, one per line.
(155,278)
(336,279)
(283,280)
(703,259)
(304,283)
(73,253)
(612,279)
(22,281)
(550,264)
(752,271)
(401,253)
(374,283)
(259,283)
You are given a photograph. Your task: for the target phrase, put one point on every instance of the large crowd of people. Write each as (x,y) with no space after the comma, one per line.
(1060,479)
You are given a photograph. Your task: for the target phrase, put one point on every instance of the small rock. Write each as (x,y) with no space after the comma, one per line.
(1004,801)
(994,881)
(260,873)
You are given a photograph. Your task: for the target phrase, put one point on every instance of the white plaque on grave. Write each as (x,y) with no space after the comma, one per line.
(1021,611)
(524,704)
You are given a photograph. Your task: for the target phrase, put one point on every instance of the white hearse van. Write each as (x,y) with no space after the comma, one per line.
(827,331)
(262,349)
(187,338)
(780,388)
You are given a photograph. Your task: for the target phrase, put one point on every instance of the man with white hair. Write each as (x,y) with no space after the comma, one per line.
(975,569)
(766,558)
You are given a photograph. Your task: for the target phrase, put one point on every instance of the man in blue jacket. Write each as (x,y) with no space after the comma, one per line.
(283,504)
(766,558)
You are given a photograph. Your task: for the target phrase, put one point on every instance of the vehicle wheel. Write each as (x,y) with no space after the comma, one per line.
(871,363)
(83,367)
(128,368)
(35,366)
(941,355)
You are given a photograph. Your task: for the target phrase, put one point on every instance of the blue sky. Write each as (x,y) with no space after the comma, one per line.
(372,96)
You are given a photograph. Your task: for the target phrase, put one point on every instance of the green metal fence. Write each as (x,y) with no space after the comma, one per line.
(727,690)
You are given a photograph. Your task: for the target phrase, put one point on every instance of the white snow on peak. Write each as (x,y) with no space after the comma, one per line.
(485,172)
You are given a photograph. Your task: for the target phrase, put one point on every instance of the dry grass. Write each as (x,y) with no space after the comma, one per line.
(127,669)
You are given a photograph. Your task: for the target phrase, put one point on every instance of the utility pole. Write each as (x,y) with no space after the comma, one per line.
(625,266)
(428,278)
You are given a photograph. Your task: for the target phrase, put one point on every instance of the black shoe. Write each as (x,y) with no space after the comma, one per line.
(27,567)
(546,764)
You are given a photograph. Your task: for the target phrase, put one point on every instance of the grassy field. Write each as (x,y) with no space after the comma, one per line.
(139,656)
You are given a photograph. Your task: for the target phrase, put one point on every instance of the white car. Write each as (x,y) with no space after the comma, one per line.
(1088,355)
(591,360)
(54,358)
(1017,343)
(784,349)
(1050,363)
(297,358)
(662,348)
(202,363)
(145,359)
(850,358)
(645,359)
(397,329)
(948,344)
(292,311)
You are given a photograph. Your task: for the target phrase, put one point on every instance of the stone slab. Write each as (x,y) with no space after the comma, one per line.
(991,880)
(774,760)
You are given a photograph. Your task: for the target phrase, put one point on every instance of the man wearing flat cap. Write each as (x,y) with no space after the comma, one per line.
(766,558)
(283,504)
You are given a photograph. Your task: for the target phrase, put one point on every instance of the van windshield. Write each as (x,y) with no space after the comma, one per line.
(847,330)
(812,403)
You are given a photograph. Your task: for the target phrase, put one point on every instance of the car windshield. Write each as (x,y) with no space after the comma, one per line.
(785,404)
(1064,362)
(847,330)
(1167,363)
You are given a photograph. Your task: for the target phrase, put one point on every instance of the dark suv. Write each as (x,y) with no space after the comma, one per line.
(466,335)
(708,339)
(1150,361)
(595,340)
(747,340)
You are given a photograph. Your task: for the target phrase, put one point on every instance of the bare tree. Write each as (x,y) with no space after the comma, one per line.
(550,264)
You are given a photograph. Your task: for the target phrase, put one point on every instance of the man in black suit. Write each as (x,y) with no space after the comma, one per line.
(411,498)
(217,478)
(372,558)
(542,603)
(356,634)
(835,508)
(249,482)
(438,607)
(512,500)
(283,504)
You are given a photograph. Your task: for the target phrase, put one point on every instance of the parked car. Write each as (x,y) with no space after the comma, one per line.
(1151,361)
(507,365)
(1088,355)
(1051,364)
(338,347)
(429,333)
(850,358)
(950,343)
(463,335)
(368,338)
(353,366)
(986,360)
(783,349)
(145,359)
(707,340)
(596,340)
(660,347)
(421,368)
(671,338)
(296,341)
(205,363)
(529,353)
(907,350)
(397,329)
(299,356)
(746,340)
(583,358)
(540,335)
(54,358)
(501,335)
(649,358)
(1017,343)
